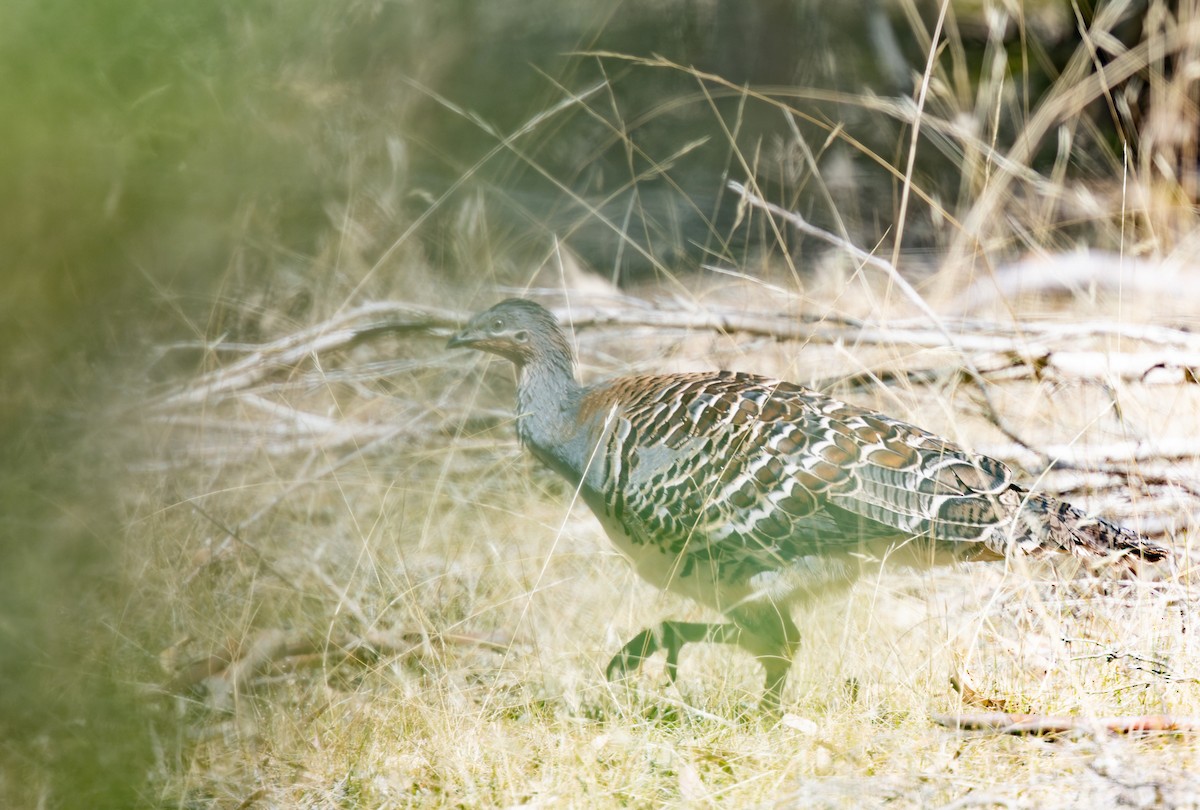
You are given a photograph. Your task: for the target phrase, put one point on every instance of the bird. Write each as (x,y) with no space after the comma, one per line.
(750,494)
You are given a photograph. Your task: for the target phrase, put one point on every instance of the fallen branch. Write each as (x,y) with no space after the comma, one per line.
(260,412)
(1168,367)
(339,332)
(1032,724)
(994,346)
(1094,456)
(1079,271)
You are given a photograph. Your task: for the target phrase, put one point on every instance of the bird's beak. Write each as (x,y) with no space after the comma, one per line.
(461,340)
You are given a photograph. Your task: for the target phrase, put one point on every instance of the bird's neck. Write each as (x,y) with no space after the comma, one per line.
(548,408)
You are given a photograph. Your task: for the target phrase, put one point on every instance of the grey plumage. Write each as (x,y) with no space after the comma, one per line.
(747,493)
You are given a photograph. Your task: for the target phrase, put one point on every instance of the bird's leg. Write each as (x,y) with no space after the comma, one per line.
(765,631)
(776,667)
(669,636)
(770,635)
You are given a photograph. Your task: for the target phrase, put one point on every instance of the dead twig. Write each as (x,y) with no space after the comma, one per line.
(1032,724)
(993,346)
(1095,456)
(1166,367)
(1079,271)
(339,332)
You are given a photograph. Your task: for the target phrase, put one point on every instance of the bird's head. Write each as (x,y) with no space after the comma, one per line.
(518,330)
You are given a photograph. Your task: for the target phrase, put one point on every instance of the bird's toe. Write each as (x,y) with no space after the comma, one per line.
(631,657)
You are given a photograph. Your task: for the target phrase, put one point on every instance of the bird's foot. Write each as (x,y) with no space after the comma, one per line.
(669,637)
(634,653)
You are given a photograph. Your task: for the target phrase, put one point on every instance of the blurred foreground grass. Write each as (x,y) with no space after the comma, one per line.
(176,172)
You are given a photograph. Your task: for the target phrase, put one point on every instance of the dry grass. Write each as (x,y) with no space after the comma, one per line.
(337,581)
(449,611)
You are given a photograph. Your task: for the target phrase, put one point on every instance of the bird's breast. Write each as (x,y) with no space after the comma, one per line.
(668,569)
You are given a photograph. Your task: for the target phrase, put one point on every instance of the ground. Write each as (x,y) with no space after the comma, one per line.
(420,615)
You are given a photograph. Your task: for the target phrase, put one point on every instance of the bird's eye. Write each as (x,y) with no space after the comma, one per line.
(497,324)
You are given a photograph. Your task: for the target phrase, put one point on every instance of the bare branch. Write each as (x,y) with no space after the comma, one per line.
(1005,723)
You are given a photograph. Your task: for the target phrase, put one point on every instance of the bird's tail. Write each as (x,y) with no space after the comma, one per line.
(1048,525)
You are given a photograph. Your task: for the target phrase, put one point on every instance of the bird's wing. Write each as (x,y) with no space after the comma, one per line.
(752,469)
